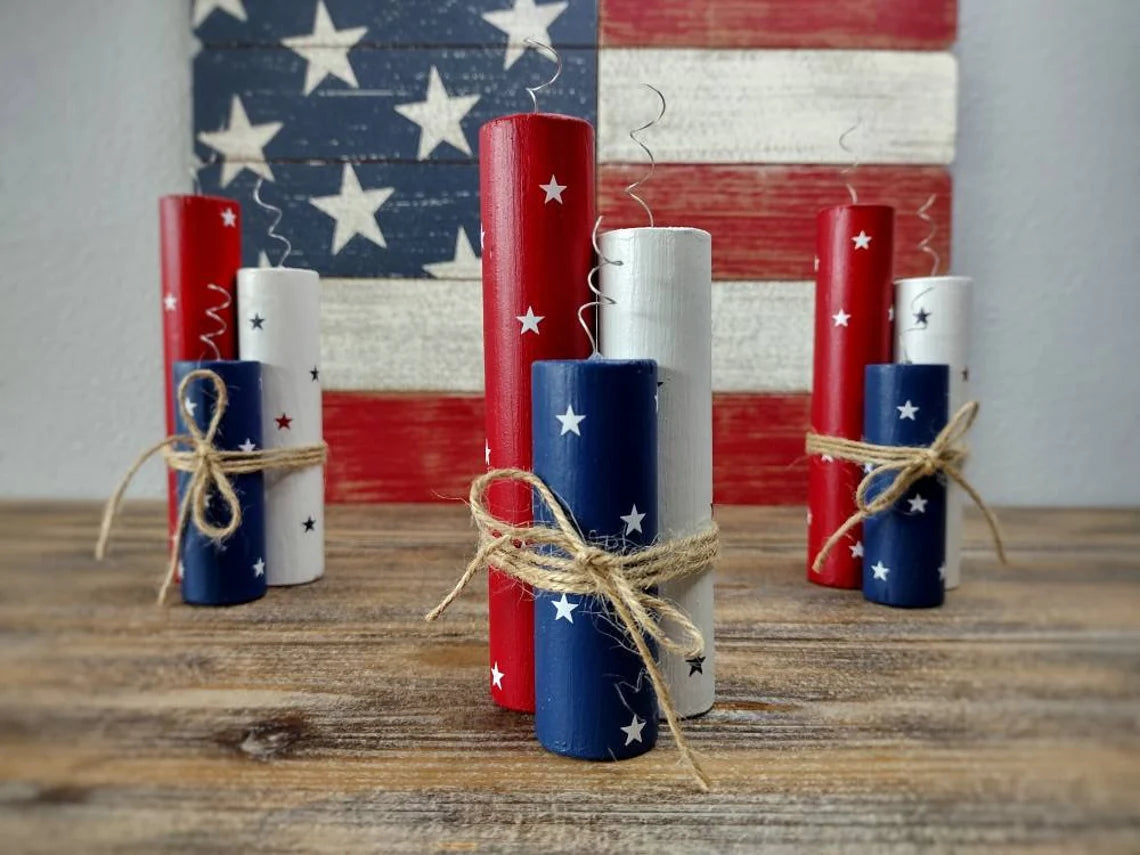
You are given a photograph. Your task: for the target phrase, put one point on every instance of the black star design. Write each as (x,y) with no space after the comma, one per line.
(256,322)
(316,374)
(309,523)
(966,374)
(284,422)
(696,665)
(922,317)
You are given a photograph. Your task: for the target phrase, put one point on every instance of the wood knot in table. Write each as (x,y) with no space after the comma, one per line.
(272,738)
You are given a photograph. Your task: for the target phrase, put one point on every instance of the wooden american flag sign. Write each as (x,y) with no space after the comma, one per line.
(362,118)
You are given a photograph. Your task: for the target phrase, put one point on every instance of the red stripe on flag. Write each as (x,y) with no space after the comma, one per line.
(392,447)
(762,218)
(887,24)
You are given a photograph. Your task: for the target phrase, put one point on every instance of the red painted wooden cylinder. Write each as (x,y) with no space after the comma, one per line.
(200,237)
(853,308)
(536,177)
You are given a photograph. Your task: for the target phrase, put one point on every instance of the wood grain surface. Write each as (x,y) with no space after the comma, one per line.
(758,443)
(779,106)
(331,718)
(427,335)
(892,24)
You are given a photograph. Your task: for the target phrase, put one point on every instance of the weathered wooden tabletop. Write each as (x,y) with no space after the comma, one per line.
(332,718)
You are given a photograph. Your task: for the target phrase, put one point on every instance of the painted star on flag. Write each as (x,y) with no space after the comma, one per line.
(525,20)
(353,210)
(632,521)
(326,50)
(464,264)
(241,145)
(563,609)
(497,676)
(553,191)
(203,8)
(529,321)
(907,410)
(439,116)
(633,730)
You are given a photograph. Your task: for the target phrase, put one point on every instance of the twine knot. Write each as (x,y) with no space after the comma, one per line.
(209,467)
(557,558)
(947,454)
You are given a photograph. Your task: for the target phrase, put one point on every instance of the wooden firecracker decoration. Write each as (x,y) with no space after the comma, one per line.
(905,545)
(932,325)
(595,432)
(200,238)
(853,309)
(234,570)
(660,283)
(279,326)
(536,175)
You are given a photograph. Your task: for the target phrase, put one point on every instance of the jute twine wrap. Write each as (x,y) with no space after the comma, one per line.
(209,469)
(578,567)
(946,455)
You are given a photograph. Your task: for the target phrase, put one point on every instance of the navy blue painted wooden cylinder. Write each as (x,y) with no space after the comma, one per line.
(233,571)
(905,546)
(595,444)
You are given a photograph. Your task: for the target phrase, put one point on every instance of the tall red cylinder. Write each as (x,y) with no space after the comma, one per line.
(853,308)
(536,181)
(200,238)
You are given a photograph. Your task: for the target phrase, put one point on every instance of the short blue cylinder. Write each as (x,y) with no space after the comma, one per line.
(233,571)
(595,444)
(905,546)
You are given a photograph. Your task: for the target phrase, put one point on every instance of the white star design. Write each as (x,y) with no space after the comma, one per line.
(438,116)
(190,406)
(879,571)
(529,321)
(553,190)
(259,568)
(248,445)
(170,302)
(862,240)
(326,50)
(917,504)
(563,609)
(229,218)
(203,8)
(464,264)
(856,549)
(632,521)
(525,20)
(841,318)
(827,458)
(633,730)
(263,259)
(487,452)
(354,210)
(570,421)
(942,572)
(241,145)
(907,410)
(497,676)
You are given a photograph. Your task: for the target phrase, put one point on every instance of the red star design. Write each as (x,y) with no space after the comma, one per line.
(283,422)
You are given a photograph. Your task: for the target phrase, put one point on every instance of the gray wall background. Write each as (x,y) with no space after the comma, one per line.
(94,126)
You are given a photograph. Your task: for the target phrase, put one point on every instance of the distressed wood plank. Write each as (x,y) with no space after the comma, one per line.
(332,123)
(757,447)
(426,335)
(332,718)
(890,24)
(779,106)
(443,23)
(762,218)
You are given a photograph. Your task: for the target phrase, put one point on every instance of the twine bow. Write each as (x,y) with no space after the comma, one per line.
(209,469)
(575,566)
(947,454)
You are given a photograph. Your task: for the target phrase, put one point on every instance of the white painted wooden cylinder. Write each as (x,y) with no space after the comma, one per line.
(663,311)
(932,325)
(279,326)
